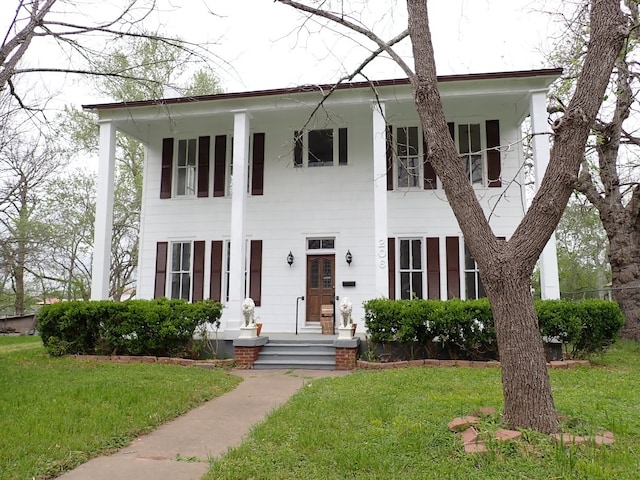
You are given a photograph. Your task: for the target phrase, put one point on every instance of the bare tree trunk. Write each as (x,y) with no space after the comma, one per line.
(624,257)
(528,402)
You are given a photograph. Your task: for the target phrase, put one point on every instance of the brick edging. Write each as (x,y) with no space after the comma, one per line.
(185,362)
(364,365)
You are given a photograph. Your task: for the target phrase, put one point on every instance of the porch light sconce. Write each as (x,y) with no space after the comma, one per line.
(290,258)
(348,257)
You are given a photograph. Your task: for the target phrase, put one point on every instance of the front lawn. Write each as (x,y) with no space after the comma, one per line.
(392,424)
(56,413)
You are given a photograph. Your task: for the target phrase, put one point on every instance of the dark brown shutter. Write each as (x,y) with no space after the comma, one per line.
(391,257)
(203,166)
(215,286)
(433,267)
(389,140)
(430,182)
(219,165)
(452,130)
(167,168)
(255,272)
(198,271)
(162,248)
(494,166)
(453,267)
(342,146)
(257,169)
(297,149)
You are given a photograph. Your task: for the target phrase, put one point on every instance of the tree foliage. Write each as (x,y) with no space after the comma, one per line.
(505,265)
(609,177)
(162,65)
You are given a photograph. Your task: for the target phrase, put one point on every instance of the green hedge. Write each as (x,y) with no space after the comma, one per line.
(466,326)
(136,327)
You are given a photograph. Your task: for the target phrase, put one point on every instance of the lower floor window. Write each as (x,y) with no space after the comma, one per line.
(473,284)
(411,268)
(181,270)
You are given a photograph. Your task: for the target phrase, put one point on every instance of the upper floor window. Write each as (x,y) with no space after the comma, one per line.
(408,157)
(470,149)
(186,166)
(318,148)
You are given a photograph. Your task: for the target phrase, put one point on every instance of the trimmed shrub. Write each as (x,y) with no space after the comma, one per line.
(136,327)
(465,328)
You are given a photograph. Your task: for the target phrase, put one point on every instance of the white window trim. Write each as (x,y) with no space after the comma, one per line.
(177,168)
(423,263)
(336,146)
(169,287)
(228,181)
(226,252)
(396,159)
(483,144)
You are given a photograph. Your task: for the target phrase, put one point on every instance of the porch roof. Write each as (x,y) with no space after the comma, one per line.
(549,74)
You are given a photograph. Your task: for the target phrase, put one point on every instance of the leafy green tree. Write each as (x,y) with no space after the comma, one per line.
(155,65)
(69,208)
(582,251)
(505,265)
(609,177)
(27,165)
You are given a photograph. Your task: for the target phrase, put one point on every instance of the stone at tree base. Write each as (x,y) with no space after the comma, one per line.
(479,447)
(605,438)
(569,439)
(484,412)
(503,435)
(470,435)
(462,423)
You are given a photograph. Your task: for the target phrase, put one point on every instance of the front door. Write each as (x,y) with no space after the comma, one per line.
(320,285)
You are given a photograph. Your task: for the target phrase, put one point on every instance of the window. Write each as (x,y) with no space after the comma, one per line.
(411,272)
(320,148)
(227,270)
(186,167)
(470,149)
(473,284)
(321,243)
(408,156)
(181,270)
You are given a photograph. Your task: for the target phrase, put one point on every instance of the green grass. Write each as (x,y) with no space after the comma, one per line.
(393,425)
(56,413)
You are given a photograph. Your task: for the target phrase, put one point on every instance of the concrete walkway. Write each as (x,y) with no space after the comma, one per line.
(168,453)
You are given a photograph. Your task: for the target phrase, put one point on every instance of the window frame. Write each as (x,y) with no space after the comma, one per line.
(191,175)
(411,270)
(470,269)
(419,172)
(226,268)
(466,158)
(339,142)
(180,271)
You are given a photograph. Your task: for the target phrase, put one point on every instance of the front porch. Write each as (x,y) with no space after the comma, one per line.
(309,351)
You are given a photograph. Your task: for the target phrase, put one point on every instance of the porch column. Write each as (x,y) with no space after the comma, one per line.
(104,213)
(381,230)
(240,161)
(549,281)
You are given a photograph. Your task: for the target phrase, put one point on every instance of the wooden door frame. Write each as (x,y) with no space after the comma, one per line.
(309,304)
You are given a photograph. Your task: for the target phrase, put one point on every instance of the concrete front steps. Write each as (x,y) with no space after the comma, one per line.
(301,354)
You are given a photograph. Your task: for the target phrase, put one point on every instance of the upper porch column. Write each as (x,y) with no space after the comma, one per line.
(549,282)
(239,184)
(104,213)
(380,200)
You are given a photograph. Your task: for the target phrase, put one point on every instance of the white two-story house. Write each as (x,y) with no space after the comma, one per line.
(288,193)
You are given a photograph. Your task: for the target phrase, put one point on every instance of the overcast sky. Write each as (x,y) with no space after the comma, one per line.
(261,46)
(262,41)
